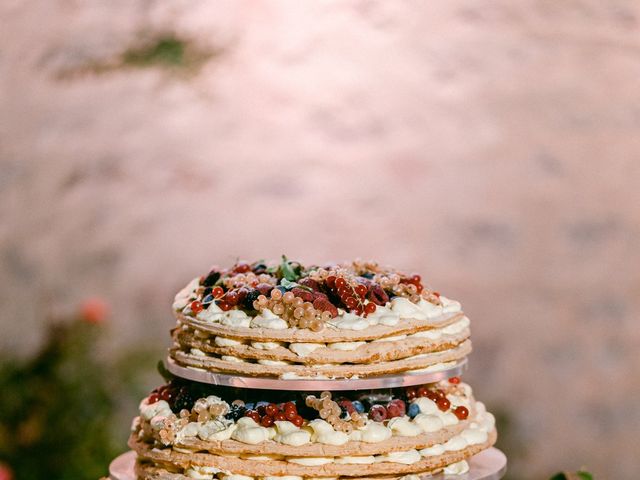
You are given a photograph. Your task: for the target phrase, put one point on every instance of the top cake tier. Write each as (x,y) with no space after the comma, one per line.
(286,320)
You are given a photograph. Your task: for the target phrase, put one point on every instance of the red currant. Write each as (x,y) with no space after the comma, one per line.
(341,282)
(224,306)
(266,421)
(411,393)
(153,398)
(443,404)
(440,393)
(437,294)
(297,421)
(419,288)
(231,298)
(415,278)
(289,406)
(242,267)
(347,405)
(461,412)
(369,308)
(290,414)
(378,413)
(252,414)
(361,290)
(331,281)
(280,417)
(342,293)
(196,307)
(271,409)
(217,292)
(423,391)
(454,380)
(351,302)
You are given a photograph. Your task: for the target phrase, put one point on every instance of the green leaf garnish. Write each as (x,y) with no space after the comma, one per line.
(288,271)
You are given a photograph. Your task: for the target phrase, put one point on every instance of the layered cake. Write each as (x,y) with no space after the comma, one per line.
(338,321)
(350,322)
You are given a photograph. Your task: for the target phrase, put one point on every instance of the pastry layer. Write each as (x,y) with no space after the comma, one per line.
(446,352)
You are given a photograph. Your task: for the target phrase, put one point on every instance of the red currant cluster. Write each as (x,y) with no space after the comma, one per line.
(439,397)
(351,295)
(266,415)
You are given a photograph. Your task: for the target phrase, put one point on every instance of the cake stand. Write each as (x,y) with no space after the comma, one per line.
(490,464)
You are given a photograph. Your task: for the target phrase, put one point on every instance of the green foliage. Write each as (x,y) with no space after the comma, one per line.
(167,51)
(580,475)
(57,408)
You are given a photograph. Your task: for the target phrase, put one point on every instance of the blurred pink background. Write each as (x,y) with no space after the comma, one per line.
(491,146)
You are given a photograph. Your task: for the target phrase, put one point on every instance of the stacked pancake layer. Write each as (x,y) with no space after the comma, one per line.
(230,445)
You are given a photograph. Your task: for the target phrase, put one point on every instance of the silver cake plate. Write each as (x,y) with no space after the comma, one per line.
(490,464)
(405,379)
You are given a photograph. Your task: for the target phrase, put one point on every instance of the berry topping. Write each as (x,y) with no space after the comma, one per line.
(196,307)
(461,412)
(369,308)
(411,393)
(378,413)
(153,398)
(357,404)
(266,421)
(443,404)
(396,408)
(414,410)
(254,415)
(217,292)
(454,380)
(297,421)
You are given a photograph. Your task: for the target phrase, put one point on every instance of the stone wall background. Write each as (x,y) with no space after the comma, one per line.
(491,145)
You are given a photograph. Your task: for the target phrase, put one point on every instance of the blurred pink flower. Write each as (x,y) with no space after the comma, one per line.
(5,472)
(93,310)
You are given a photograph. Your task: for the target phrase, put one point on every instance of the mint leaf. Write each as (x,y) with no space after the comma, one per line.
(582,475)
(288,271)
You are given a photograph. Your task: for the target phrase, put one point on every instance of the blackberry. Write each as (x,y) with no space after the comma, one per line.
(184,399)
(259,267)
(211,279)
(236,413)
(250,298)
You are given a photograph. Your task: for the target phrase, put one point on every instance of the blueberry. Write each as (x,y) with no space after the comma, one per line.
(250,406)
(208,299)
(414,410)
(262,404)
(357,404)
(282,289)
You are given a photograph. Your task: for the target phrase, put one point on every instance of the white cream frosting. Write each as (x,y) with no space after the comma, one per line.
(407,457)
(432,451)
(197,352)
(232,358)
(201,472)
(383,316)
(428,423)
(227,342)
(159,408)
(323,432)
(235,476)
(268,319)
(356,459)
(404,427)
(266,361)
(212,314)
(182,298)
(288,434)
(248,431)
(236,319)
(345,346)
(374,432)
(350,321)
(266,345)
(458,468)
(304,349)
(310,461)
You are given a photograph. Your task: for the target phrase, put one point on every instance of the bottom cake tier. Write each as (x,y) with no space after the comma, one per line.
(192,430)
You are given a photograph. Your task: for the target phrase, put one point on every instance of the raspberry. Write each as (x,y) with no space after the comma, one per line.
(305,295)
(378,413)
(326,306)
(396,408)
(377,295)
